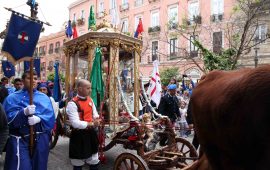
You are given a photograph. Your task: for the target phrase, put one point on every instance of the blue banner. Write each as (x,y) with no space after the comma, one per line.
(36,66)
(56,86)
(21,39)
(8,68)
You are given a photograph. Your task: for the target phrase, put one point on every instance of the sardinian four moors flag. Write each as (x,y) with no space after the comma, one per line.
(21,39)
(154,90)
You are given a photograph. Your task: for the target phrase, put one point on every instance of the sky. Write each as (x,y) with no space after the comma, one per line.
(53,11)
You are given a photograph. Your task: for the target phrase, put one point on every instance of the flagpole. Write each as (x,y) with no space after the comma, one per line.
(31,141)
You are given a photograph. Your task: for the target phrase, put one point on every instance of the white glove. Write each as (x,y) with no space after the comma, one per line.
(30,110)
(32,120)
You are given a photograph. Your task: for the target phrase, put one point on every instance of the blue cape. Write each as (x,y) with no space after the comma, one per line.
(17,101)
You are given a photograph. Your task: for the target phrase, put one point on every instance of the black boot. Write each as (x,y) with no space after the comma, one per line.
(77,167)
(94,167)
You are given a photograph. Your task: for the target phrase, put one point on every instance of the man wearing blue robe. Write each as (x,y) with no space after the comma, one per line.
(20,115)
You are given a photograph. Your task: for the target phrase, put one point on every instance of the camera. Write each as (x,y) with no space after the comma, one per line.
(184,75)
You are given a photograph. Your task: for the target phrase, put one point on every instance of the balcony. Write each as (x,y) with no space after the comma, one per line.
(124,7)
(138,3)
(154,29)
(151,1)
(42,53)
(50,51)
(173,26)
(217,17)
(195,20)
(193,54)
(174,55)
(100,14)
(56,50)
(50,68)
(80,21)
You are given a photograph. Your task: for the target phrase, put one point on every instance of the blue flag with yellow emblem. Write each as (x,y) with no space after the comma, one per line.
(21,39)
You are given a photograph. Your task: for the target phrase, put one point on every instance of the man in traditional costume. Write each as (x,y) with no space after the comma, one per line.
(20,115)
(83,116)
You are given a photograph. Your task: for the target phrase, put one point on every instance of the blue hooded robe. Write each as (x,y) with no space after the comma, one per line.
(17,155)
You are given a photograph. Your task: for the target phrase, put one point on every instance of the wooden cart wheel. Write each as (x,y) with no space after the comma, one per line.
(129,161)
(188,150)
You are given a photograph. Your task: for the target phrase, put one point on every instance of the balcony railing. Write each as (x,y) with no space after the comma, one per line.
(80,21)
(216,17)
(124,7)
(138,3)
(196,19)
(193,54)
(173,26)
(50,51)
(42,53)
(154,29)
(150,1)
(56,50)
(100,14)
(174,55)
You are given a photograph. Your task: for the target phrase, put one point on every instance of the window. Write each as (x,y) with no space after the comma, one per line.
(138,3)
(193,49)
(137,18)
(43,66)
(51,63)
(154,50)
(173,14)
(101,6)
(51,49)
(100,9)
(261,33)
(57,46)
(154,18)
(36,52)
(193,10)
(173,47)
(217,7)
(82,14)
(124,2)
(217,42)
(125,25)
(74,17)
(112,4)
(124,5)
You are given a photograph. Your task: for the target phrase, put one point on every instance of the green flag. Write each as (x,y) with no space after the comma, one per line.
(91,19)
(97,93)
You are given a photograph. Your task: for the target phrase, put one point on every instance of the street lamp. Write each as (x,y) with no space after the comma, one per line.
(256,56)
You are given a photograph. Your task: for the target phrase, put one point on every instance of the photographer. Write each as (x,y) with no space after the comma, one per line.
(191,85)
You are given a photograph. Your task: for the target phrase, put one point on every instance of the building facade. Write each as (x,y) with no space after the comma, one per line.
(50,50)
(169,27)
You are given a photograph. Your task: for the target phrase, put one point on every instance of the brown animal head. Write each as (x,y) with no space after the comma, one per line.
(231,112)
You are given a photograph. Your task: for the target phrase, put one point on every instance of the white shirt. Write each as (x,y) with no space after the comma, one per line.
(73,115)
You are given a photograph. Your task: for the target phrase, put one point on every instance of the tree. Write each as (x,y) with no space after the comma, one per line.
(167,73)
(239,30)
(50,77)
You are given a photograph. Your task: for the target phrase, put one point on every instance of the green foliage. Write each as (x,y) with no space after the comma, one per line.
(50,77)
(223,61)
(167,73)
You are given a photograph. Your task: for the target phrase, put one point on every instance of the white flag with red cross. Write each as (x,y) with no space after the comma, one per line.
(154,90)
